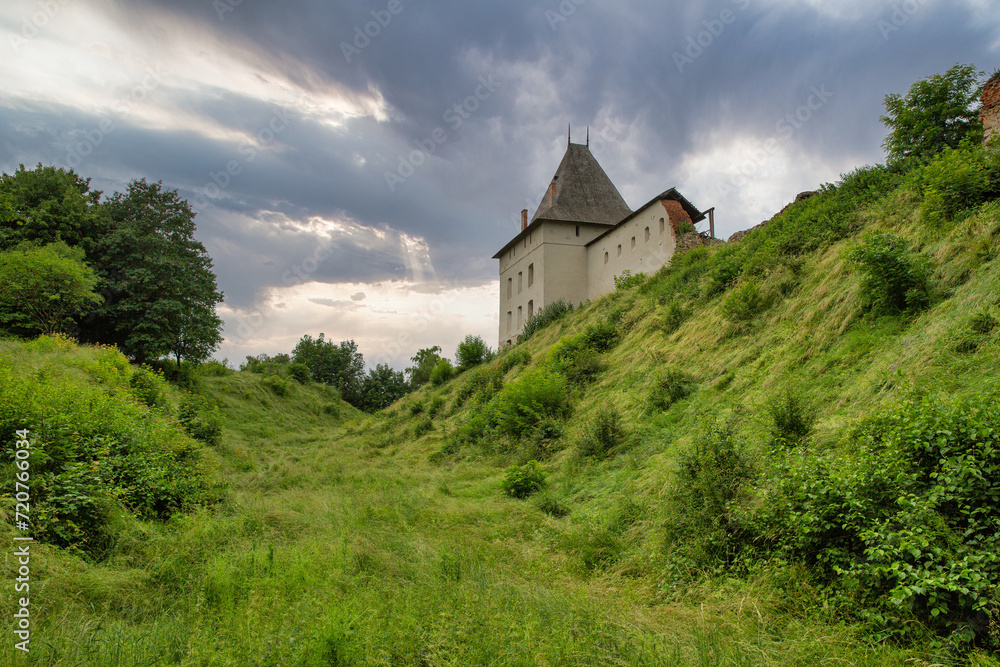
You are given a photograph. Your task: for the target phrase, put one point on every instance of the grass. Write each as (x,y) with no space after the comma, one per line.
(352,539)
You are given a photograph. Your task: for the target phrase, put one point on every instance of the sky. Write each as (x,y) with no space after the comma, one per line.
(355,165)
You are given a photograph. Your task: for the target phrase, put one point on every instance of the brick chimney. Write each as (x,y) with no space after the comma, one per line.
(524,219)
(990,113)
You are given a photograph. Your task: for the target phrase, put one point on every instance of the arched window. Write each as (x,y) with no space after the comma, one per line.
(518,282)
(605,258)
(633,243)
(578,230)
(510,287)
(531,275)
(531,308)
(619,250)
(661,225)
(647,235)
(519,317)
(510,317)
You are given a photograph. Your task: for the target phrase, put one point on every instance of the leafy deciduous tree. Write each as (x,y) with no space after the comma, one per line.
(340,366)
(424,362)
(382,387)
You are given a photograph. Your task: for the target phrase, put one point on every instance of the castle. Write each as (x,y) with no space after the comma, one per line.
(582,235)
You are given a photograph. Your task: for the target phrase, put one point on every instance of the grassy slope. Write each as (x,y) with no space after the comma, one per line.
(344,543)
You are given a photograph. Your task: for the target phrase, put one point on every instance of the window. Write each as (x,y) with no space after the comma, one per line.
(510,287)
(509,319)
(647,235)
(531,308)
(661,225)
(518,282)
(531,275)
(519,317)
(605,258)
(633,243)
(619,250)
(578,230)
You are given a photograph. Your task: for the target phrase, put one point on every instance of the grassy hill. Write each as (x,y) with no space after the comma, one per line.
(776,452)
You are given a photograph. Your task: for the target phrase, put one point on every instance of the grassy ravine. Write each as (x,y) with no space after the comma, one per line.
(348,539)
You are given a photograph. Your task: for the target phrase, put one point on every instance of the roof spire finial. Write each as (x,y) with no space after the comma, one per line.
(569,135)
(588,136)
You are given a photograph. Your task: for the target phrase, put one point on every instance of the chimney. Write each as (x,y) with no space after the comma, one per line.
(552,194)
(524,219)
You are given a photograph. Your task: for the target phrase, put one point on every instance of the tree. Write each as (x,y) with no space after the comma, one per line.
(160,291)
(338,365)
(46,205)
(471,352)
(41,288)
(937,112)
(424,362)
(381,388)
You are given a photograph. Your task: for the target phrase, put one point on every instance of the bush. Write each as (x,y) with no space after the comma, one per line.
(673,317)
(278,385)
(300,373)
(442,372)
(575,359)
(604,433)
(201,421)
(522,481)
(792,418)
(601,337)
(147,386)
(544,317)
(669,386)
(627,280)
(743,303)
(955,181)
(895,281)
(523,403)
(436,404)
(482,384)
(513,358)
(423,425)
(552,506)
(471,352)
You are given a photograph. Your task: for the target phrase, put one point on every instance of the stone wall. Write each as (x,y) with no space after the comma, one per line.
(990,113)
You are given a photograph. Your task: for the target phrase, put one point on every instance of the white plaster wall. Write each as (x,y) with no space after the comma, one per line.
(646,257)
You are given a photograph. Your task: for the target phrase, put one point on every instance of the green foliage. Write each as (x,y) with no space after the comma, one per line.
(381,388)
(95,452)
(518,408)
(436,405)
(601,337)
(956,180)
(743,303)
(511,358)
(938,111)
(895,280)
(575,358)
(201,420)
(277,384)
(41,288)
(669,386)
(424,362)
(524,480)
(338,365)
(604,433)
(909,524)
(148,387)
(160,291)
(552,506)
(627,280)
(792,418)
(471,352)
(482,384)
(674,316)
(544,317)
(442,372)
(685,227)
(300,373)
(423,425)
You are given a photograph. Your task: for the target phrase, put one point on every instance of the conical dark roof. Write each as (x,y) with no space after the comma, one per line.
(583,192)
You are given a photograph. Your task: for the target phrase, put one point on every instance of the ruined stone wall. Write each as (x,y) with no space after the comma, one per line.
(990,113)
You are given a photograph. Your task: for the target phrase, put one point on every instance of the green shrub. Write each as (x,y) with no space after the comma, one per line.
(423,425)
(544,317)
(669,386)
(436,404)
(213,368)
(442,372)
(481,384)
(147,386)
(627,280)
(895,280)
(300,373)
(201,421)
(277,384)
(601,337)
(471,352)
(518,408)
(743,303)
(551,505)
(604,433)
(416,408)
(791,417)
(955,181)
(524,480)
(982,323)
(512,358)
(575,359)
(673,317)
(544,441)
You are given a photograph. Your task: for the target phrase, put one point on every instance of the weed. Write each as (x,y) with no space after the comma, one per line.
(524,480)
(669,386)
(604,433)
